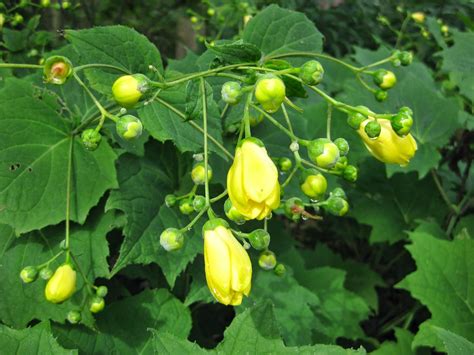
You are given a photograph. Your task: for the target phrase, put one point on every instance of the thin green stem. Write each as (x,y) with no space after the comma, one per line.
(328,122)
(402,29)
(224,111)
(287,119)
(380,62)
(246,118)
(443,193)
(21,66)
(290,176)
(188,227)
(316,55)
(204,120)
(308,163)
(50,260)
(218,197)
(364,84)
(90,285)
(107,66)
(68,199)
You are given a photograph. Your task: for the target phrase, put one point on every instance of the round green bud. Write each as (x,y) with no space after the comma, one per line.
(341,163)
(267,260)
(74,317)
(91,139)
(231,92)
(232,213)
(128,89)
(293,208)
(29,274)
(259,239)
(57,69)
(313,184)
(186,206)
(311,72)
(336,206)
(406,110)
(211,12)
(170,200)
(66,5)
(199,203)
(338,192)
(285,164)
(380,95)
(354,119)
(101,291)
(402,123)
(198,174)
(270,92)
(406,58)
(342,145)
(280,270)
(396,62)
(350,173)
(46,273)
(373,129)
(385,79)
(45,3)
(96,305)
(129,127)
(17,19)
(171,239)
(323,153)
(194,19)
(255,120)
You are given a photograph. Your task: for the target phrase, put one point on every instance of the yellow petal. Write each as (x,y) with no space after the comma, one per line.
(260,174)
(273,201)
(236,299)
(234,182)
(61,285)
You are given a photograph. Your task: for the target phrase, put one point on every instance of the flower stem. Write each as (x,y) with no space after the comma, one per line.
(20,66)
(68,199)
(95,65)
(204,120)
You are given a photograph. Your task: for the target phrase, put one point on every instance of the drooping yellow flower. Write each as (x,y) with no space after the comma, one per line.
(388,147)
(252,180)
(61,285)
(228,266)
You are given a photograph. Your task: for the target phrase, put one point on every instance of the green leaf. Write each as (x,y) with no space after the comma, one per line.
(254,331)
(34,340)
(35,151)
(194,107)
(198,291)
(445,271)
(235,52)
(401,346)
(455,344)
(125,326)
(22,303)
(459,62)
(143,185)
(275,31)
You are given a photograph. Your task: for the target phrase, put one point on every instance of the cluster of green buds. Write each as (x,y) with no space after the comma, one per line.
(403,58)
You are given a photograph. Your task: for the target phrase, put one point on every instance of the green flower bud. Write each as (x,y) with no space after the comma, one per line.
(91,139)
(338,192)
(354,119)
(211,12)
(280,270)
(231,92)
(97,304)
(46,273)
(270,92)
(171,239)
(406,110)
(267,260)
(128,89)
(402,123)
(186,206)
(101,291)
(341,164)
(381,95)
(313,184)
(396,62)
(194,19)
(385,79)
(336,206)
(45,3)
(74,317)
(199,203)
(259,239)
(255,120)
(57,69)
(198,174)
(285,164)
(293,208)
(17,19)
(232,213)
(29,274)
(323,153)
(342,145)
(373,129)
(66,5)
(129,127)
(2,20)
(350,173)
(170,200)
(311,72)
(406,58)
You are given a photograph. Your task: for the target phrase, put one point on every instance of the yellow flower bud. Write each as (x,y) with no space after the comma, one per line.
(228,266)
(418,17)
(128,89)
(62,285)
(388,147)
(270,92)
(252,180)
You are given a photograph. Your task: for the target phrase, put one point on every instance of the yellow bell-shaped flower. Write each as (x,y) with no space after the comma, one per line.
(61,285)
(388,147)
(252,180)
(228,266)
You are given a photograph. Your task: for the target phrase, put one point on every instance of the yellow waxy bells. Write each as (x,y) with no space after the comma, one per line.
(389,147)
(228,266)
(61,285)
(252,180)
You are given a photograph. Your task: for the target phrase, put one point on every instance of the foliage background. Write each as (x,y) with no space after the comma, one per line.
(395,277)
